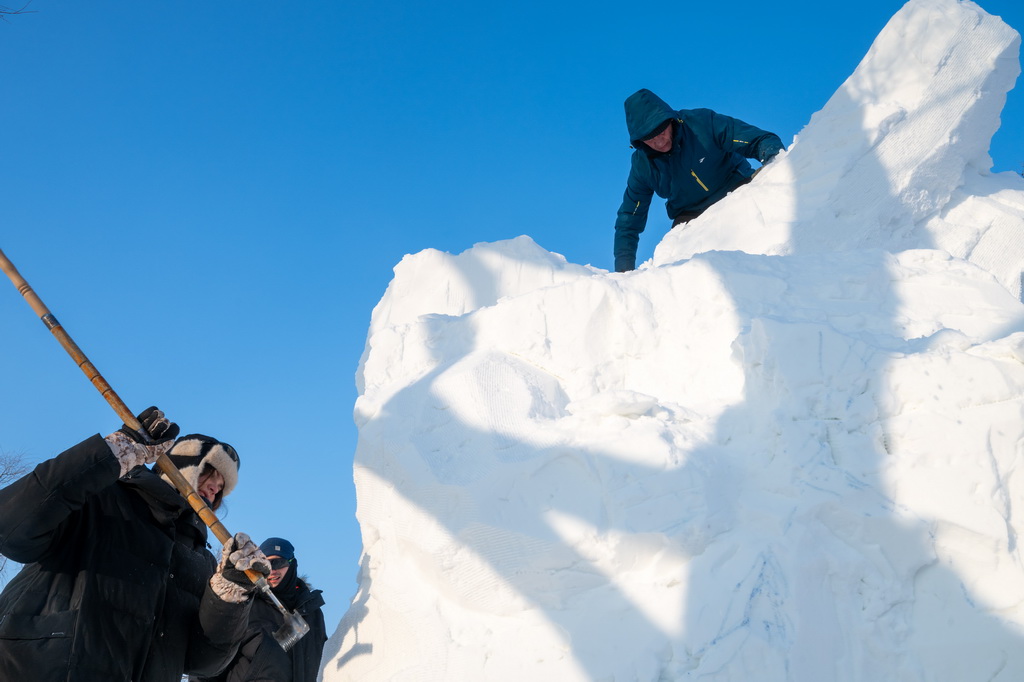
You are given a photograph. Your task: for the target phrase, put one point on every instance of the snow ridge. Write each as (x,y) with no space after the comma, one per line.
(900,145)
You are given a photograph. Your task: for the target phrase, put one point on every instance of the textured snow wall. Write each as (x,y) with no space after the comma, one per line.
(897,158)
(789,449)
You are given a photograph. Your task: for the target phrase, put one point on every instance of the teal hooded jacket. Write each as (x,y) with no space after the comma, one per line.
(708,159)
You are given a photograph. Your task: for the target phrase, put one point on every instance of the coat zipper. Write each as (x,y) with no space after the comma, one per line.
(699,182)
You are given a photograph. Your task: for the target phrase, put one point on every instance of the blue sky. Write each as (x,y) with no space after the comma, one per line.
(210,197)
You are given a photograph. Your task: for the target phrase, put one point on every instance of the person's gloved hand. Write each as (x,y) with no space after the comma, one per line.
(133,448)
(769,156)
(239,554)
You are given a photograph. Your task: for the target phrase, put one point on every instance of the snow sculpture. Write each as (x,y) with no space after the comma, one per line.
(788,449)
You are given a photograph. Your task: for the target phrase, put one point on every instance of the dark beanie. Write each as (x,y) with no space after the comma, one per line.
(278,547)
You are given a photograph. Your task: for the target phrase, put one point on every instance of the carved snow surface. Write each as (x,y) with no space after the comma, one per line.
(790,448)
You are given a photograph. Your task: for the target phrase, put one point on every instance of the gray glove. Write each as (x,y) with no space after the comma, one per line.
(133,449)
(238,555)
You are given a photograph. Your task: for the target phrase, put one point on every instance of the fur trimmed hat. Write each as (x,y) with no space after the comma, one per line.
(192,453)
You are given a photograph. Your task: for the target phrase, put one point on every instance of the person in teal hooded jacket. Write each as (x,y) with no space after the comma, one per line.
(690,157)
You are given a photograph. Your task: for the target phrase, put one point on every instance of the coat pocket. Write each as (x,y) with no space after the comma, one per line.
(51,626)
(37,648)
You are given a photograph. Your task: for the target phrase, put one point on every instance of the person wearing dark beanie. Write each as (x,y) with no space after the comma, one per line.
(260,657)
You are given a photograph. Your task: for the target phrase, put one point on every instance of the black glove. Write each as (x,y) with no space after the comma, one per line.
(133,448)
(158,427)
(769,156)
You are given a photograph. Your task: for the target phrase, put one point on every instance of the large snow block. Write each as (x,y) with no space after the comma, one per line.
(735,467)
(790,449)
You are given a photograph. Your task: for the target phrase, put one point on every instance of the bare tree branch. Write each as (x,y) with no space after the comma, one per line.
(5,10)
(12,467)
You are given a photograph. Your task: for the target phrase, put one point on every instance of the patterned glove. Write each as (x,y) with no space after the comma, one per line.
(133,449)
(238,555)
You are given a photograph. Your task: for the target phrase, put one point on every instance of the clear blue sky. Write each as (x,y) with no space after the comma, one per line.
(210,196)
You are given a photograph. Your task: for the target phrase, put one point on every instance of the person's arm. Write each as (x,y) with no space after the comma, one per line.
(631,221)
(35,509)
(240,661)
(213,645)
(320,628)
(224,610)
(745,139)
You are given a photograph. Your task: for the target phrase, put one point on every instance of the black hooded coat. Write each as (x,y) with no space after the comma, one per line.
(115,585)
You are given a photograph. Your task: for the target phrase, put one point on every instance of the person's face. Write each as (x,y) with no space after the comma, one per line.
(661,142)
(210,483)
(277,574)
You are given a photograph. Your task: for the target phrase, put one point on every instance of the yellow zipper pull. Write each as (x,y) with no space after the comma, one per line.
(699,182)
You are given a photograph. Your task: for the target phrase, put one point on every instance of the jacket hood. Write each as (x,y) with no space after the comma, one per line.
(645,111)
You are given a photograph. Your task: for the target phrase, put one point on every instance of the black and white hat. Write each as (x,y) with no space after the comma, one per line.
(193,452)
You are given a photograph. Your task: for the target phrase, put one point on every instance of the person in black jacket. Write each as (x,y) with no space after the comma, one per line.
(260,658)
(118,583)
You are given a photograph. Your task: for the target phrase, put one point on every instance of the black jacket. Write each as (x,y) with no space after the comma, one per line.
(307,652)
(261,659)
(115,585)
